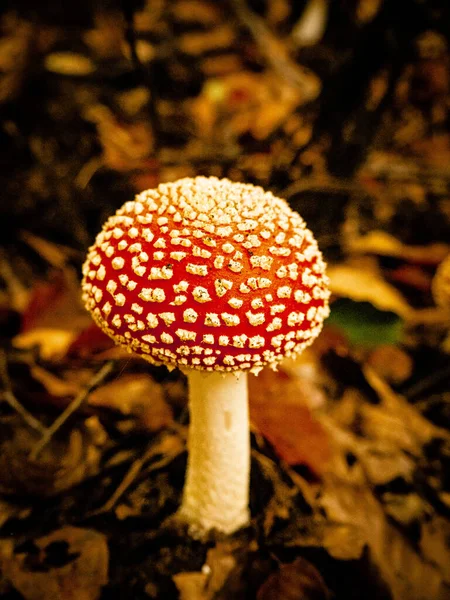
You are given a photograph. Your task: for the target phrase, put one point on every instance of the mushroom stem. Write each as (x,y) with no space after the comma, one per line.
(216,492)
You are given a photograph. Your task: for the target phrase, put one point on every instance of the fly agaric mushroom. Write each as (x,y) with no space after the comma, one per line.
(219,279)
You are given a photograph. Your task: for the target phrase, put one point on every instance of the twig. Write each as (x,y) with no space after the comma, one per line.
(276,53)
(10,398)
(87,171)
(426,384)
(98,378)
(330,185)
(128,7)
(397,168)
(15,288)
(134,470)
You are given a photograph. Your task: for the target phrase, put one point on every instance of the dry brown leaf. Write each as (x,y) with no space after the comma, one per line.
(406,509)
(387,438)
(137,395)
(361,285)
(56,304)
(390,437)
(243,102)
(53,343)
(435,149)
(89,342)
(206,584)
(69,63)
(220,562)
(126,146)
(63,463)
(106,38)
(191,585)
(198,43)
(17,47)
(378,461)
(403,569)
(279,410)
(10,510)
(384,244)
(299,580)
(412,276)
(343,542)
(168,446)
(420,429)
(435,544)
(70,564)
(280,504)
(54,316)
(55,386)
(55,254)
(392,363)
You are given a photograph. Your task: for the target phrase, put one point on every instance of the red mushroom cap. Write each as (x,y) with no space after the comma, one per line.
(207,274)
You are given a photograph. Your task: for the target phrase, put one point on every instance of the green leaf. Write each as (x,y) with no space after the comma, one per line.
(365,325)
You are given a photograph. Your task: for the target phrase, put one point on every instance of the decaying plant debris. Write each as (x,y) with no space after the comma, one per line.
(342,109)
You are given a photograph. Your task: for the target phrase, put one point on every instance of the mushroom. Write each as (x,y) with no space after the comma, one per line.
(219,279)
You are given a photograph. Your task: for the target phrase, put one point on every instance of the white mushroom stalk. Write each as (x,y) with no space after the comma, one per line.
(216,492)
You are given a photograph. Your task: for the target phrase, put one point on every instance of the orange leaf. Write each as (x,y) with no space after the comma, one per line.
(278,408)
(44,296)
(299,580)
(90,341)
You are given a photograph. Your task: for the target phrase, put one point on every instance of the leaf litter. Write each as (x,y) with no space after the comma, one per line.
(350,495)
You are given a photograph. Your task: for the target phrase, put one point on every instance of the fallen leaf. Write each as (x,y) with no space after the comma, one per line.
(63,463)
(391,363)
(361,285)
(52,343)
(53,317)
(412,276)
(138,395)
(416,429)
(299,580)
(191,585)
(434,150)
(69,564)
(405,509)
(55,254)
(401,567)
(343,542)
(384,244)
(56,304)
(53,384)
(365,325)
(10,510)
(16,296)
(435,544)
(211,580)
(219,563)
(69,63)
(159,454)
(245,102)
(89,342)
(279,507)
(279,410)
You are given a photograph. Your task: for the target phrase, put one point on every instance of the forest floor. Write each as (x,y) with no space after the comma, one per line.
(350,481)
